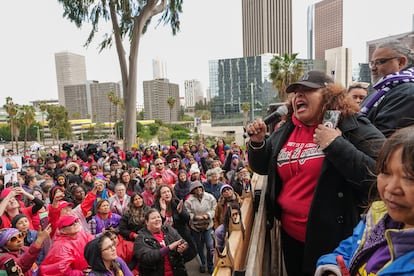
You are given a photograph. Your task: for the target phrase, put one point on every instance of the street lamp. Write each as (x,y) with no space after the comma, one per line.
(252,96)
(37,133)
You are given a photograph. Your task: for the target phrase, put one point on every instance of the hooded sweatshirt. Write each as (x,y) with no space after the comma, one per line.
(94,259)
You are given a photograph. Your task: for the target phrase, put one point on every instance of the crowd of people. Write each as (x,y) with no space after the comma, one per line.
(150,204)
(340,176)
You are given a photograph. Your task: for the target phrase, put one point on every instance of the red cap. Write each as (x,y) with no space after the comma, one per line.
(66,221)
(64,204)
(5,192)
(174,160)
(156,174)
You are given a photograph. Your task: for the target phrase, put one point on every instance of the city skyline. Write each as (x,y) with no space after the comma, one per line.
(206,34)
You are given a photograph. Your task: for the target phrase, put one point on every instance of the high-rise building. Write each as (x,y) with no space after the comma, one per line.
(159,69)
(267,27)
(70,70)
(237,83)
(156,94)
(328,27)
(90,101)
(193,93)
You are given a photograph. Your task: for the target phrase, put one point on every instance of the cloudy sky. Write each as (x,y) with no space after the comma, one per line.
(33,31)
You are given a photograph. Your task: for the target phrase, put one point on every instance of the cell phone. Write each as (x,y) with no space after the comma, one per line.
(331,118)
(44,222)
(16,184)
(11,267)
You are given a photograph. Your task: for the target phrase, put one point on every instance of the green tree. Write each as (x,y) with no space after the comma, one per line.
(58,122)
(171,103)
(285,70)
(246,109)
(43,108)
(11,109)
(26,115)
(130,19)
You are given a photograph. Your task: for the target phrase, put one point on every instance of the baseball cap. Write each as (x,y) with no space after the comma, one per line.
(149,177)
(65,221)
(174,160)
(156,174)
(311,79)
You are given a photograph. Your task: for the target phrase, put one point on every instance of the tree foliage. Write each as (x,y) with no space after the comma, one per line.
(12,109)
(285,70)
(26,117)
(59,125)
(129,19)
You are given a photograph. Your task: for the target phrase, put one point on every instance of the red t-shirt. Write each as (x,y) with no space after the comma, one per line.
(167,266)
(299,163)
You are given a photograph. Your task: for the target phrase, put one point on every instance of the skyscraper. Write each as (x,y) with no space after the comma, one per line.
(156,94)
(267,27)
(90,100)
(193,92)
(328,26)
(70,70)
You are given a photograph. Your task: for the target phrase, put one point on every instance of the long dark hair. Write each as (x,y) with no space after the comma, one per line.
(158,196)
(136,214)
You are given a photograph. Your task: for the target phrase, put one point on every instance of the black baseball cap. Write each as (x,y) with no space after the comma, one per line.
(312,79)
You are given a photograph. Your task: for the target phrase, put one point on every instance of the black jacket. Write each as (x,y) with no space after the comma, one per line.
(181,225)
(395,110)
(147,251)
(342,188)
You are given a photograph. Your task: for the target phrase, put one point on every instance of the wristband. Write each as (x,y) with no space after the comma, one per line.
(256,147)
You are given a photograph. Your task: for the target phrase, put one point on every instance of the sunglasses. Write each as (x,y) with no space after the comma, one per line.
(156,164)
(16,237)
(363,85)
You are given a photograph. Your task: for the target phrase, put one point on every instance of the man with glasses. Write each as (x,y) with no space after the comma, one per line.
(390,106)
(168,177)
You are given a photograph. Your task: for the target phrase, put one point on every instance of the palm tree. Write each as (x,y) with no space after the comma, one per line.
(171,102)
(11,110)
(26,115)
(246,109)
(111,96)
(43,108)
(284,71)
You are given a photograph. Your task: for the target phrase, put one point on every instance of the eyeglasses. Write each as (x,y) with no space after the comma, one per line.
(156,164)
(16,237)
(380,61)
(110,247)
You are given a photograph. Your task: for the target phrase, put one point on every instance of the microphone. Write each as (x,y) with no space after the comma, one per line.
(276,116)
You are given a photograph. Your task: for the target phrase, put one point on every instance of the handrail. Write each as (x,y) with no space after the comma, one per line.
(238,247)
(256,256)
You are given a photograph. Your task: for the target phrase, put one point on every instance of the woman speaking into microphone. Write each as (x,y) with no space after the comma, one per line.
(319,174)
